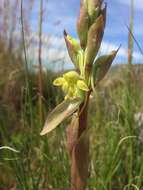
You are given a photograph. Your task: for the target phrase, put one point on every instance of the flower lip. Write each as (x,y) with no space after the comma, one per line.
(71,83)
(58,81)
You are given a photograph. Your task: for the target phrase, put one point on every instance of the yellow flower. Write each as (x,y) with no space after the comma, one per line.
(72,84)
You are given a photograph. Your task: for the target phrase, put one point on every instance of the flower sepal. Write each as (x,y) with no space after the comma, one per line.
(73,48)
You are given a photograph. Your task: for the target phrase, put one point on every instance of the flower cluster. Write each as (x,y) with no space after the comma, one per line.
(72,84)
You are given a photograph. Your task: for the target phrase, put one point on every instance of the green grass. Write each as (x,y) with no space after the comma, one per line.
(42,162)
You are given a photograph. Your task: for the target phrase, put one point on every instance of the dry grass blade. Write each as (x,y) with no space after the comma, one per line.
(8,148)
(138,45)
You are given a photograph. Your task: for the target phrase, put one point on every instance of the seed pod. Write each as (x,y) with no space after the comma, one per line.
(73,47)
(95,36)
(83,22)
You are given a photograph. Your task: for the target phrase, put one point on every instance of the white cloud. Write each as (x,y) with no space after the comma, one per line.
(54,49)
(49,54)
(107,47)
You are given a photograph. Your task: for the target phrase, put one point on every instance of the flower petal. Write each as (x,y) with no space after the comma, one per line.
(82,85)
(71,77)
(65,86)
(59,81)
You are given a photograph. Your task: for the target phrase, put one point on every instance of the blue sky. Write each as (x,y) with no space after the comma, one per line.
(60,15)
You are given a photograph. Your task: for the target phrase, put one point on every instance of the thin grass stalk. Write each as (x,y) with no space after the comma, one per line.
(13,28)
(129,85)
(40,83)
(24,48)
(5,24)
(135,40)
(28,93)
(130,39)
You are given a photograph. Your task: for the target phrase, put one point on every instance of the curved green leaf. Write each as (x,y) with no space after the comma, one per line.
(60,113)
(101,67)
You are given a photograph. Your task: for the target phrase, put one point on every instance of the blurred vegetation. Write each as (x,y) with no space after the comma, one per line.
(41,164)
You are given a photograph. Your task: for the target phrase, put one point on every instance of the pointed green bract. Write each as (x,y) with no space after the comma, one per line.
(101,67)
(95,36)
(73,48)
(60,113)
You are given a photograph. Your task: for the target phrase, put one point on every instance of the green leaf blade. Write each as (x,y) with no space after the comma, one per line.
(60,113)
(101,67)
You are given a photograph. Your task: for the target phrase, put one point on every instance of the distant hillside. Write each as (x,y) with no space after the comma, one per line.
(119,73)
(122,67)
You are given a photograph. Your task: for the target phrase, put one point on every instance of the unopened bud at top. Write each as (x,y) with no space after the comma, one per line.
(83,23)
(94,7)
(94,3)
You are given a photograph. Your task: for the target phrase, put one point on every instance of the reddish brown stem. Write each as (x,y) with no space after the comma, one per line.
(78,146)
